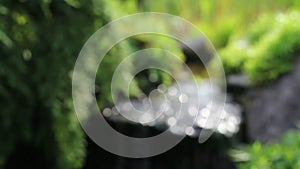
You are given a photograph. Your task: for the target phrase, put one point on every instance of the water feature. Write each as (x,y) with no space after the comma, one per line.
(185,99)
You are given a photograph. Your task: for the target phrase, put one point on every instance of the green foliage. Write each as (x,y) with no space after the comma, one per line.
(221,32)
(262,26)
(282,155)
(234,57)
(39,44)
(40,41)
(268,51)
(275,53)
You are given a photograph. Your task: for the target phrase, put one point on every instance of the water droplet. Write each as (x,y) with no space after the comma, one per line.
(107,112)
(153,77)
(193,111)
(171,121)
(27,54)
(222,128)
(190,131)
(172,91)
(205,112)
(232,127)
(183,98)
(201,122)
(161,88)
(146,118)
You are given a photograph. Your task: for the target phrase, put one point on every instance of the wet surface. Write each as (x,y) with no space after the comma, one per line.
(181,109)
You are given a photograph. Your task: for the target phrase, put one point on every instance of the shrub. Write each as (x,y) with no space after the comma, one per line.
(281,155)
(269,49)
(40,41)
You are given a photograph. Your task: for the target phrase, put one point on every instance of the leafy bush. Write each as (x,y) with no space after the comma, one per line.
(39,44)
(268,51)
(275,53)
(40,41)
(282,155)
(234,56)
(263,25)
